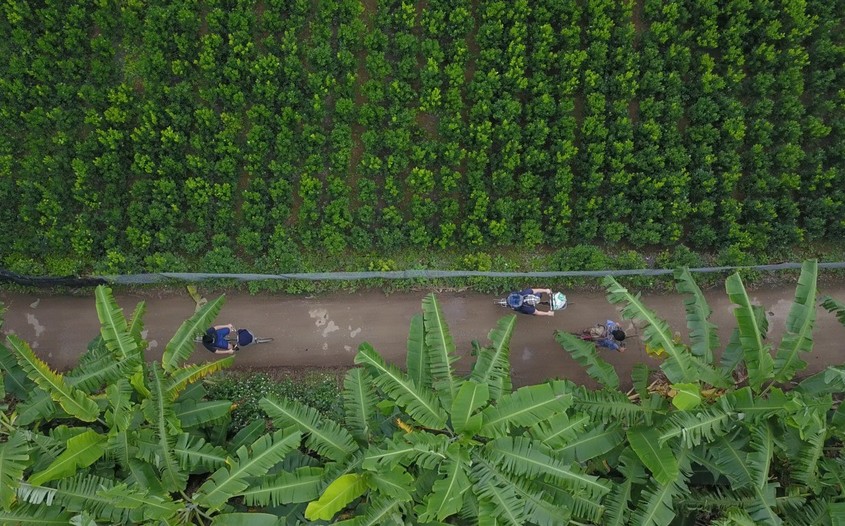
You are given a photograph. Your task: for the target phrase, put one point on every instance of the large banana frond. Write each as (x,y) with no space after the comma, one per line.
(732,355)
(446,497)
(499,497)
(442,350)
(74,401)
(759,465)
(251,518)
(191,413)
(418,403)
(394,484)
(182,377)
(418,354)
(37,515)
(525,407)
(142,505)
(760,457)
(560,429)
(586,354)
(38,407)
(247,434)
(230,481)
(656,332)
(158,410)
(379,511)
(538,505)
(693,427)
(104,500)
(528,458)
(136,325)
(180,347)
(322,435)
(383,459)
(15,379)
(656,507)
(702,332)
(730,456)
(830,380)
(359,402)
(492,366)
(195,455)
(115,330)
(799,325)
(303,485)
(591,444)
(807,462)
(100,369)
(608,404)
(617,512)
(753,408)
(471,396)
(82,451)
(337,495)
(758,359)
(656,456)
(14,459)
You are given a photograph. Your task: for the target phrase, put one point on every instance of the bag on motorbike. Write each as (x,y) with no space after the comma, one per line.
(558,301)
(245,337)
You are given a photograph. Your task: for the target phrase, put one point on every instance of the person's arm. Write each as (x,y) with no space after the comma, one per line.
(541,291)
(227,326)
(544,312)
(224,351)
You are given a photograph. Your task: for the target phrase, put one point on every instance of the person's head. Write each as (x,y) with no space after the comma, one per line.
(618,335)
(207,338)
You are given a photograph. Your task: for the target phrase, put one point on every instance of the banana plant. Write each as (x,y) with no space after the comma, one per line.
(116,439)
(762,452)
(430,446)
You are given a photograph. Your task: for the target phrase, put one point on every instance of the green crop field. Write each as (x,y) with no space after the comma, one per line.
(227,135)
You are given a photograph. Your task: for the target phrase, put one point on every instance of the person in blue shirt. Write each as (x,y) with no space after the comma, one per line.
(609,336)
(215,339)
(516,301)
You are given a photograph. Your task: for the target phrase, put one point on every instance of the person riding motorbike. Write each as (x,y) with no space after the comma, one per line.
(225,339)
(524,301)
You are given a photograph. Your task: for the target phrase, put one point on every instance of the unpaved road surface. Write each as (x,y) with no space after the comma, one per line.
(325,331)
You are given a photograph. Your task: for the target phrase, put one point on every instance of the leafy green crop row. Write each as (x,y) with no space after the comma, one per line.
(242,134)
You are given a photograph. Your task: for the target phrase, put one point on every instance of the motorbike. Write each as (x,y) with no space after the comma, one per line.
(241,338)
(514,300)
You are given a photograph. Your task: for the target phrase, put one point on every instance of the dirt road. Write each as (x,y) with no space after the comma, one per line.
(325,331)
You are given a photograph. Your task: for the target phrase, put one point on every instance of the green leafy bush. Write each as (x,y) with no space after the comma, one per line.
(319,390)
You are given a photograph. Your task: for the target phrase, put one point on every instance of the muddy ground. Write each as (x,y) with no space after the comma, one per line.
(325,331)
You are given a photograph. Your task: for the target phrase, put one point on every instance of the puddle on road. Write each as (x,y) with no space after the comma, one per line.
(527,354)
(32,320)
(331,327)
(322,316)
(151,344)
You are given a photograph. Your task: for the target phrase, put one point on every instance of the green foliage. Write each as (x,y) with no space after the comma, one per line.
(257,139)
(119,446)
(245,389)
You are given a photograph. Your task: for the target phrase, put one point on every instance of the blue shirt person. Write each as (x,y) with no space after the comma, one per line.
(215,340)
(516,301)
